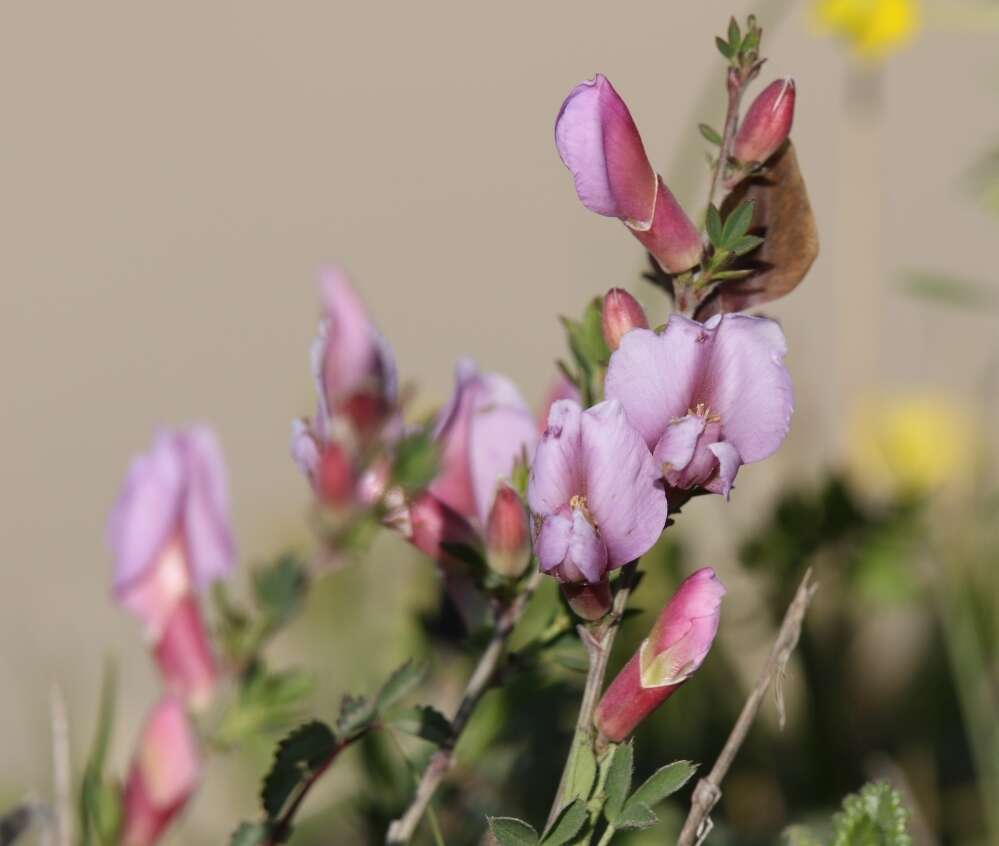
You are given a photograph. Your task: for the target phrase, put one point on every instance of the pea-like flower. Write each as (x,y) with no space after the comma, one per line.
(171,538)
(482,431)
(707,398)
(675,648)
(595,493)
(599,143)
(165,771)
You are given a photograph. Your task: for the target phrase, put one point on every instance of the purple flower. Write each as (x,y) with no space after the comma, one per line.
(677,645)
(482,431)
(171,537)
(706,398)
(599,143)
(594,491)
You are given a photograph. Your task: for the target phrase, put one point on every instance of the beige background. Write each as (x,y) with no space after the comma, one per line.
(173,174)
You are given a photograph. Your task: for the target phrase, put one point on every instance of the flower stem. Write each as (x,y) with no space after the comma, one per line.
(605,838)
(598,638)
(482,678)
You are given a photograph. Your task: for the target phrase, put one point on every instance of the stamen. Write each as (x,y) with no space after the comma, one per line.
(578,502)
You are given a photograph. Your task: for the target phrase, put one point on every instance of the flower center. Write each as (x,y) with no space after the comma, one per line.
(702,410)
(578,503)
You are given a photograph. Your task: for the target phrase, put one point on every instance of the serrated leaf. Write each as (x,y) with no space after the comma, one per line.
(416,461)
(567,824)
(737,224)
(356,712)
(784,217)
(875,815)
(424,722)
(636,816)
(250,834)
(298,757)
(509,831)
(280,588)
(400,684)
(713,224)
(662,783)
(709,134)
(743,245)
(619,781)
(724,48)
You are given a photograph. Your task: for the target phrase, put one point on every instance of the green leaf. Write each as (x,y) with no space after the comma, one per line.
(619,781)
(100,806)
(751,41)
(416,461)
(280,588)
(583,772)
(734,34)
(567,824)
(662,783)
(509,831)
(722,275)
(710,134)
(400,684)
(745,244)
(637,816)
(873,817)
(714,226)
(724,48)
(250,834)
(356,713)
(298,757)
(737,223)
(424,722)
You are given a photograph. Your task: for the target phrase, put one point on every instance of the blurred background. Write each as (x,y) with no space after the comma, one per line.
(174,175)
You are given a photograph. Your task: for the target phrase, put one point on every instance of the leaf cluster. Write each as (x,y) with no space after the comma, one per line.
(875,816)
(741,49)
(589,351)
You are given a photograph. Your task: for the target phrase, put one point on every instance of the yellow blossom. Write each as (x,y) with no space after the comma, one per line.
(873,28)
(912,445)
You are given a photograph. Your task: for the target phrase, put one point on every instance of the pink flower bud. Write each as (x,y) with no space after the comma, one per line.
(508,543)
(428,523)
(334,479)
(164,774)
(672,239)
(621,314)
(767,123)
(674,649)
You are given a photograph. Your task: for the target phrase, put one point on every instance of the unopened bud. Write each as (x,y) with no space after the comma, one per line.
(675,648)
(508,543)
(334,476)
(672,238)
(164,774)
(589,601)
(767,123)
(621,314)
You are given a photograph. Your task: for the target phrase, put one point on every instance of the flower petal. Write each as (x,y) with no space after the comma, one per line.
(623,488)
(729,462)
(746,383)
(555,470)
(209,539)
(672,238)
(499,435)
(453,484)
(349,350)
(552,543)
(587,550)
(675,449)
(599,143)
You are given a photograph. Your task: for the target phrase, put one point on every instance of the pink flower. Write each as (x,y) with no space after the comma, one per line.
(599,143)
(595,493)
(767,123)
(164,773)
(706,398)
(675,648)
(171,538)
(620,314)
(559,389)
(482,432)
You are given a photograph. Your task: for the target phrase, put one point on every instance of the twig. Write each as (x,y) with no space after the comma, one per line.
(402,829)
(708,789)
(736,84)
(598,643)
(61,768)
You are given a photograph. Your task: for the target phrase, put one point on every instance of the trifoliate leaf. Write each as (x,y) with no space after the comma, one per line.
(400,684)
(509,831)
(297,758)
(567,824)
(618,781)
(737,224)
(662,783)
(424,722)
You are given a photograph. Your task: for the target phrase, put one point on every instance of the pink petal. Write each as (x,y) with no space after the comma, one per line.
(599,143)
(653,376)
(587,551)
(499,435)
(453,485)
(729,462)
(349,351)
(675,449)
(672,238)
(210,545)
(552,543)
(746,383)
(556,467)
(561,388)
(623,488)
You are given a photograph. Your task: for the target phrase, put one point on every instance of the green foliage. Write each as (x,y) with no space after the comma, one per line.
(356,714)
(873,817)
(416,460)
(589,350)
(741,49)
(710,134)
(299,757)
(251,834)
(100,802)
(279,590)
(509,831)
(566,825)
(424,722)
(662,783)
(618,781)
(582,770)
(730,238)
(400,684)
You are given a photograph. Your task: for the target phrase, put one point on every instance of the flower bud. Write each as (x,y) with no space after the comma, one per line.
(674,649)
(508,543)
(334,476)
(621,314)
(184,654)
(767,123)
(164,774)
(672,239)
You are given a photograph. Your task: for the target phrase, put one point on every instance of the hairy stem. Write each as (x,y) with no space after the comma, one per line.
(598,640)
(484,674)
(708,789)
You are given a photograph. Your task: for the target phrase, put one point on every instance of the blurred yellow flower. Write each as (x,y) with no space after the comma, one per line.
(873,28)
(912,445)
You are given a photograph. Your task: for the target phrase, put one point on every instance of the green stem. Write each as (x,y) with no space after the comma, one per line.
(607,835)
